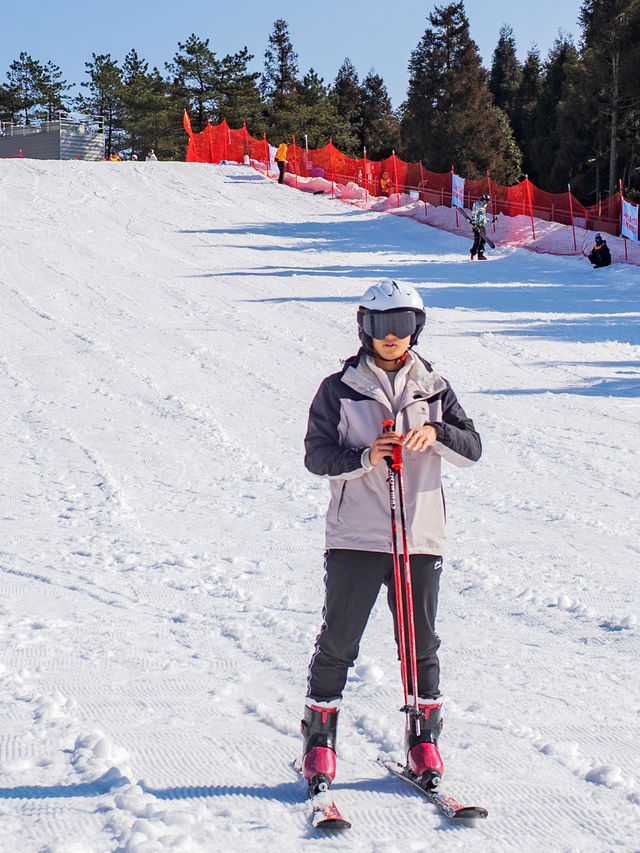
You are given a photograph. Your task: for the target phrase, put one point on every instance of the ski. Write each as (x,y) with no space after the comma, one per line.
(325,813)
(446,804)
(475,227)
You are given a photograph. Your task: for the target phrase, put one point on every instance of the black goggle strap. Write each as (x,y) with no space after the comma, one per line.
(398,323)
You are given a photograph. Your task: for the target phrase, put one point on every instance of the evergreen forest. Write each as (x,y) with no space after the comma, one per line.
(570,116)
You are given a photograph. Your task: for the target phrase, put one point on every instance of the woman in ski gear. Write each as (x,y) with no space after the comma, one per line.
(479,221)
(345,442)
(600,255)
(385,183)
(281,160)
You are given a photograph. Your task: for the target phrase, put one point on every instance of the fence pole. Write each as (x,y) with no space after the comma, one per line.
(295,160)
(225,150)
(533,228)
(395,172)
(423,189)
(575,246)
(210,129)
(246,140)
(331,155)
(266,148)
(626,256)
(366,175)
(493,215)
(455,205)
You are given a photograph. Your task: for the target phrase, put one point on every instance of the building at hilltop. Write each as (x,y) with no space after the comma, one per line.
(66,138)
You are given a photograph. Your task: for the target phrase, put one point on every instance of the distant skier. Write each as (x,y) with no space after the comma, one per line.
(600,255)
(479,222)
(151,155)
(281,160)
(346,444)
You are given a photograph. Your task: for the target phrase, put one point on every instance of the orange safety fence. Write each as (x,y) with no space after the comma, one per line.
(524,215)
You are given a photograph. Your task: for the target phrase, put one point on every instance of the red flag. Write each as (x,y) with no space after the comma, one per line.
(187,123)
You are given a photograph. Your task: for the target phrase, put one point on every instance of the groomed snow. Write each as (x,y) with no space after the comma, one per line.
(164,328)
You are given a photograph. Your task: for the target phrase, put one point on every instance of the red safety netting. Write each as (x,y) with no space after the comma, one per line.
(524,215)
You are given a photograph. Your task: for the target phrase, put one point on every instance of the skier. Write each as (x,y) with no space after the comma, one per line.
(600,255)
(345,443)
(151,155)
(281,160)
(479,221)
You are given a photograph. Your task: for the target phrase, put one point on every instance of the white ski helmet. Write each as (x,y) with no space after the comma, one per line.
(390,296)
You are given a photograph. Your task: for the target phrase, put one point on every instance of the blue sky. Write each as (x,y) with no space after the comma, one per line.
(323,33)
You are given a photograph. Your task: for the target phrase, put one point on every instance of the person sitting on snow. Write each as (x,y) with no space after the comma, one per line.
(600,255)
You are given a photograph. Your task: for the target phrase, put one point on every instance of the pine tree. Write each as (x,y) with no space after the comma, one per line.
(506,73)
(380,128)
(280,75)
(347,95)
(315,119)
(138,101)
(9,104)
(581,141)
(53,90)
(448,116)
(512,172)
(105,96)
(611,51)
(542,161)
(195,74)
(26,77)
(239,94)
(527,101)
(162,127)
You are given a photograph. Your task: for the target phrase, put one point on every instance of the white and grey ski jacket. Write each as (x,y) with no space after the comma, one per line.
(345,417)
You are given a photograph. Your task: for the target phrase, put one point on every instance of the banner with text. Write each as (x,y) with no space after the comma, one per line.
(457,190)
(629,220)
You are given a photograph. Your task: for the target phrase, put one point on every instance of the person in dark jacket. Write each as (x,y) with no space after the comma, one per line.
(479,225)
(600,255)
(345,442)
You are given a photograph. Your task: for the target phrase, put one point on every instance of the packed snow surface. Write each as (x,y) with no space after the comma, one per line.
(164,328)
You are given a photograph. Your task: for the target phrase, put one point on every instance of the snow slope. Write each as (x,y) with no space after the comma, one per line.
(164,328)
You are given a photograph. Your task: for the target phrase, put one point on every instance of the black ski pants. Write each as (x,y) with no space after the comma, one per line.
(352,582)
(478,241)
(281,169)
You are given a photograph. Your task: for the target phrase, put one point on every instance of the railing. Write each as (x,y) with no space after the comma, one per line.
(75,124)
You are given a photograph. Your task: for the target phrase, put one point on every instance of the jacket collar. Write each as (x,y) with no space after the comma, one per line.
(421,382)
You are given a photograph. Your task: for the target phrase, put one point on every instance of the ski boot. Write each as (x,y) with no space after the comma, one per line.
(423,757)
(318,728)
(482,257)
(473,254)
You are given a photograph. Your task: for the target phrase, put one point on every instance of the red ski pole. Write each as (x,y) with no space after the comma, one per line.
(404,592)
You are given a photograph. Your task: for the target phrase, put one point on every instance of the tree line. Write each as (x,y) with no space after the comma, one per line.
(572,116)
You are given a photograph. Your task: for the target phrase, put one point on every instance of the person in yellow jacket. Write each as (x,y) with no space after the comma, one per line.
(281,160)
(385,183)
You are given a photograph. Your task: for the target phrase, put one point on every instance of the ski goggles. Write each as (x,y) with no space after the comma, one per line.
(380,324)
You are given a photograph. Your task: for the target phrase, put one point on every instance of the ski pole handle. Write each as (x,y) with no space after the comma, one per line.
(396,461)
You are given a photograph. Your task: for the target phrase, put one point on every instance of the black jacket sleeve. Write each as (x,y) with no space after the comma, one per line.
(324,455)
(456,431)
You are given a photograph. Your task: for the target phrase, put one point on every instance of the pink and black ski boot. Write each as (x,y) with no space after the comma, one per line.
(319,727)
(421,743)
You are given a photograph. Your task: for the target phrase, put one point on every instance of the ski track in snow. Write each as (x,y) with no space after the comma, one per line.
(165,327)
